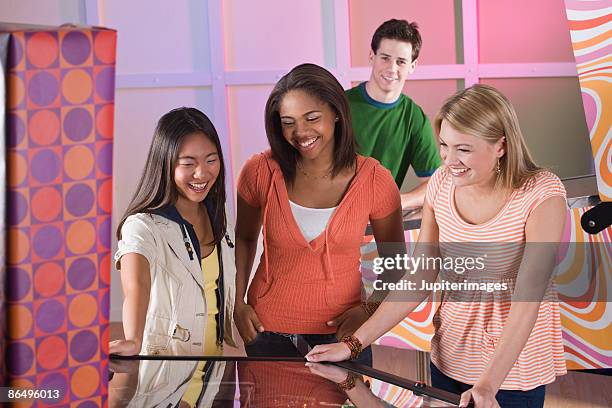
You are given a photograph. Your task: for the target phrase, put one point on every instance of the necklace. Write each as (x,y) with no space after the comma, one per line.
(324,176)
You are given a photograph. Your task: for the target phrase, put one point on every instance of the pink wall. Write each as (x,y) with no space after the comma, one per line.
(523,31)
(269,34)
(436,24)
(495,42)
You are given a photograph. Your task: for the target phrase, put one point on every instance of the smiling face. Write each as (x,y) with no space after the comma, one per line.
(196,169)
(471,160)
(308,124)
(391,66)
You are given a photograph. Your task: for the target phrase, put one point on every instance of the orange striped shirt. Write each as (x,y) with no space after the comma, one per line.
(467,332)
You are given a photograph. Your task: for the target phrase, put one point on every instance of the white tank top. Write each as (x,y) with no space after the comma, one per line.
(312,221)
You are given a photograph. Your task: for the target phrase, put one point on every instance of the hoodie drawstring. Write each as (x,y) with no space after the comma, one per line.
(264,232)
(328,264)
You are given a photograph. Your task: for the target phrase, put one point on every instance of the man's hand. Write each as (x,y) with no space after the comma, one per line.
(416,196)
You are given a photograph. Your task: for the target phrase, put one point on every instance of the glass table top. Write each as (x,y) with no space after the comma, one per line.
(189,381)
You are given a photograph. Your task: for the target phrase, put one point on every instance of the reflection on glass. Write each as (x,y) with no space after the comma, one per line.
(254,383)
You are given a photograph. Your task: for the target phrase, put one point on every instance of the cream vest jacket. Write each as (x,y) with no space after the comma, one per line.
(176,316)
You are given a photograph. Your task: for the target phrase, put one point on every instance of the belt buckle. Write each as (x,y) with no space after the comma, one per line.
(181,334)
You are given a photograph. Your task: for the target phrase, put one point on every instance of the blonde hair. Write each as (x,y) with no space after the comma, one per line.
(484,112)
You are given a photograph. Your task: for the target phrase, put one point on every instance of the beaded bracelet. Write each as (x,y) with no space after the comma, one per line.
(370,307)
(354,345)
(349,383)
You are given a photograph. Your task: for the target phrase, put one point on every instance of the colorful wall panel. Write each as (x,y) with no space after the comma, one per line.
(4,41)
(584,282)
(590,23)
(61,85)
(587,317)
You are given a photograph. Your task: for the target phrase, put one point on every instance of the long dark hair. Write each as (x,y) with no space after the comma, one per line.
(156,188)
(320,83)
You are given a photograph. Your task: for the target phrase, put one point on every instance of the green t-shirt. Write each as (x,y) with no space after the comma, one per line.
(397,134)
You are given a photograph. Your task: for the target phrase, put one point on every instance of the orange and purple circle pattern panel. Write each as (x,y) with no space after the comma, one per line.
(59,156)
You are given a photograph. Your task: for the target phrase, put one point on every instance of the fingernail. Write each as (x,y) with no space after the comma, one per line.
(307,364)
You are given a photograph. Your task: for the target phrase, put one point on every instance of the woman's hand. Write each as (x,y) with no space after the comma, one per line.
(123,366)
(483,397)
(349,321)
(247,322)
(359,393)
(329,352)
(124,347)
(329,372)
(123,375)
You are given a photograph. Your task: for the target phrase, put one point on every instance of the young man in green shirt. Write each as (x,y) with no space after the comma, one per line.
(388,125)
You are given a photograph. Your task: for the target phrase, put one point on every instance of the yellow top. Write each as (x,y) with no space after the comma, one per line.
(210,268)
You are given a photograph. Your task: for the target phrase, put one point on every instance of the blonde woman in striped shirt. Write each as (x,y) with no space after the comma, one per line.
(489,197)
